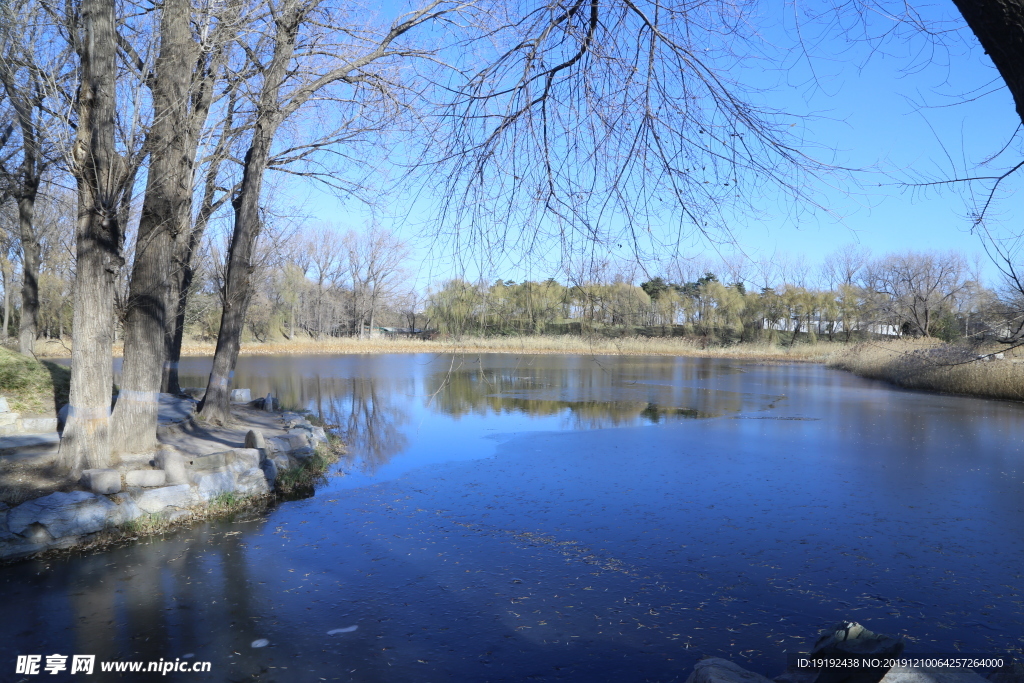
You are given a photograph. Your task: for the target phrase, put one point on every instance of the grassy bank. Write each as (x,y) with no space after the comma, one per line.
(802,351)
(33,387)
(931,365)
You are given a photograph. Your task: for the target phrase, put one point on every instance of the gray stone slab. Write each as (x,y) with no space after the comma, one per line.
(210,461)
(242,395)
(62,514)
(4,406)
(209,485)
(252,482)
(38,424)
(254,439)
(125,509)
(155,500)
(102,481)
(145,478)
(173,464)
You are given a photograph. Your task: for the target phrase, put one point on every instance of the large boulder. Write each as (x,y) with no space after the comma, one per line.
(174,465)
(145,478)
(850,639)
(240,396)
(252,482)
(209,485)
(125,509)
(254,439)
(60,514)
(156,500)
(102,480)
(715,670)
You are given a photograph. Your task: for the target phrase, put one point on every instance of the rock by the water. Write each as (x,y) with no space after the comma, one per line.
(173,464)
(145,478)
(210,461)
(4,405)
(102,481)
(209,485)
(240,396)
(254,439)
(125,509)
(61,514)
(848,638)
(155,500)
(715,670)
(252,482)
(269,467)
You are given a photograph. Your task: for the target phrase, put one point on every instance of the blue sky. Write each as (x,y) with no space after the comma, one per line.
(898,110)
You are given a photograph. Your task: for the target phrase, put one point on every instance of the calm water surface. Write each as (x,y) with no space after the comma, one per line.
(506,518)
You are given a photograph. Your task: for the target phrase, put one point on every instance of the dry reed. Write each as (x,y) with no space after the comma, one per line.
(932,365)
(626,346)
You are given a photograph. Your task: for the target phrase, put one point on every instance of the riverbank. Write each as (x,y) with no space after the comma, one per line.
(931,365)
(538,344)
(270,455)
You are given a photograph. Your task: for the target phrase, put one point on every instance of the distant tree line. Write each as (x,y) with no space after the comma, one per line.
(920,294)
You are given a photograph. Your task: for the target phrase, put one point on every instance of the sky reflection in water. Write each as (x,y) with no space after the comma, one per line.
(573,519)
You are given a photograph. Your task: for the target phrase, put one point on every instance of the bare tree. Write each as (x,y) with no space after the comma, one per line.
(32,67)
(917,286)
(374,267)
(100,173)
(291,73)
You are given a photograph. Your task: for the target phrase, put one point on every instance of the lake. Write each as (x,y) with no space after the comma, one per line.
(570,518)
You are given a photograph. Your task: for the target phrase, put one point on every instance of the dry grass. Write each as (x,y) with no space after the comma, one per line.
(547,344)
(32,387)
(932,365)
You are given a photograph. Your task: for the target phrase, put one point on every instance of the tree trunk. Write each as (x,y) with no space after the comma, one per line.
(29,326)
(215,407)
(86,439)
(8,275)
(166,213)
(999,27)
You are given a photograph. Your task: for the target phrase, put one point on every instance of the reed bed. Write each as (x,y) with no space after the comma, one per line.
(569,345)
(932,365)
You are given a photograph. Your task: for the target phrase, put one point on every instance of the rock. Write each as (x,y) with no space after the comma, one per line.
(848,638)
(914,675)
(145,478)
(294,440)
(319,436)
(125,509)
(4,406)
(281,462)
(252,482)
(209,485)
(102,481)
(254,439)
(714,670)
(242,459)
(60,514)
(155,500)
(9,419)
(269,404)
(173,464)
(302,454)
(38,424)
(210,461)
(269,468)
(240,396)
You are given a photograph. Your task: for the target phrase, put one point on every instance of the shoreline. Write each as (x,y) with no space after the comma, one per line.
(184,482)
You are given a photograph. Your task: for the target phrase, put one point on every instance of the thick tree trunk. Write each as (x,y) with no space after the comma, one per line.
(999,27)
(165,215)
(8,275)
(86,439)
